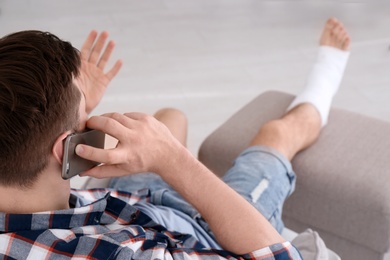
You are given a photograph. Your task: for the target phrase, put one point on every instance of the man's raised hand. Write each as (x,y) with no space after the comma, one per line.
(92,80)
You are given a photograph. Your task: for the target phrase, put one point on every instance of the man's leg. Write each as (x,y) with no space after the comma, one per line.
(300,127)
(263,173)
(176,121)
(325,77)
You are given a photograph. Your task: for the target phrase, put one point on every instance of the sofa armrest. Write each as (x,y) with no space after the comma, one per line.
(343,180)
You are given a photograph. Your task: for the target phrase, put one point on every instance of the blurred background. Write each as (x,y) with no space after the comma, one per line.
(210,57)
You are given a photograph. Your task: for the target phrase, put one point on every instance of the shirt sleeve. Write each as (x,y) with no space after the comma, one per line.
(277,251)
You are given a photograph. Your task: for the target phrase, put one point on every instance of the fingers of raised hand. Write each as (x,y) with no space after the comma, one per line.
(87,45)
(106,54)
(114,70)
(97,47)
(92,52)
(93,45)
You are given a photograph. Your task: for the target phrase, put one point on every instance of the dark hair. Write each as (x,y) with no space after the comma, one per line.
(38,102)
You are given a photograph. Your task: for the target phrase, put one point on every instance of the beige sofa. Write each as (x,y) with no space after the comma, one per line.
(343,180)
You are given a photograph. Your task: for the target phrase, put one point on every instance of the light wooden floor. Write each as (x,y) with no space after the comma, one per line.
(210,57)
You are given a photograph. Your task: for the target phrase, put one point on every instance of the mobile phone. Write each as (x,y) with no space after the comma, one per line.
(73,164)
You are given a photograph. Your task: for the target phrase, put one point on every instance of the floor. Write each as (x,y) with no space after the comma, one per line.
(210,57)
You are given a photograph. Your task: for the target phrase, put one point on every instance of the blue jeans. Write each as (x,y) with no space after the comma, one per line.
(260,174)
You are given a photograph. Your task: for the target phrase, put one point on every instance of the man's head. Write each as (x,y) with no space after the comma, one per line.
(38,102)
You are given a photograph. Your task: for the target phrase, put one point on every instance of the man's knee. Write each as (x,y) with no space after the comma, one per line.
(176,121)
(172,113)
(275,134)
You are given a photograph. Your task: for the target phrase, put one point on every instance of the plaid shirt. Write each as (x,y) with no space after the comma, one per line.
(108,228)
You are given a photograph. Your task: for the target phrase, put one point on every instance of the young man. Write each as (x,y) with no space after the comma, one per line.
(44,97)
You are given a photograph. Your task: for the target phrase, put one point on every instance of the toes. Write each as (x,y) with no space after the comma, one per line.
(344,39)
(331,22)
(335,35)
(340,36)
(327,31)
(345,44)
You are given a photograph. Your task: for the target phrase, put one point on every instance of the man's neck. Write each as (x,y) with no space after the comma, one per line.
(48,193)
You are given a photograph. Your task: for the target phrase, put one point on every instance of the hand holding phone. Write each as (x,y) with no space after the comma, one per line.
(72,164)
(144,145)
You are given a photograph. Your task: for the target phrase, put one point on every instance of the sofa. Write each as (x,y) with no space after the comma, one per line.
(343,180)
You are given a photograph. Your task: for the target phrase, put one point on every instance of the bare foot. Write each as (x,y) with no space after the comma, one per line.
(335,35)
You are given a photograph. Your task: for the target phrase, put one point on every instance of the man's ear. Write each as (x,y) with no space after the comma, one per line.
(58,147)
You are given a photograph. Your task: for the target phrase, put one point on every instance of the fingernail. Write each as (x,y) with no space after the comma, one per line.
(79,149)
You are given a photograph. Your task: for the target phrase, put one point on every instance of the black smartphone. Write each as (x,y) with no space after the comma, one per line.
(73,164)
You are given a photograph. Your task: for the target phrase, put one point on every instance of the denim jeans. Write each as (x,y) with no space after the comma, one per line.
(260,174)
